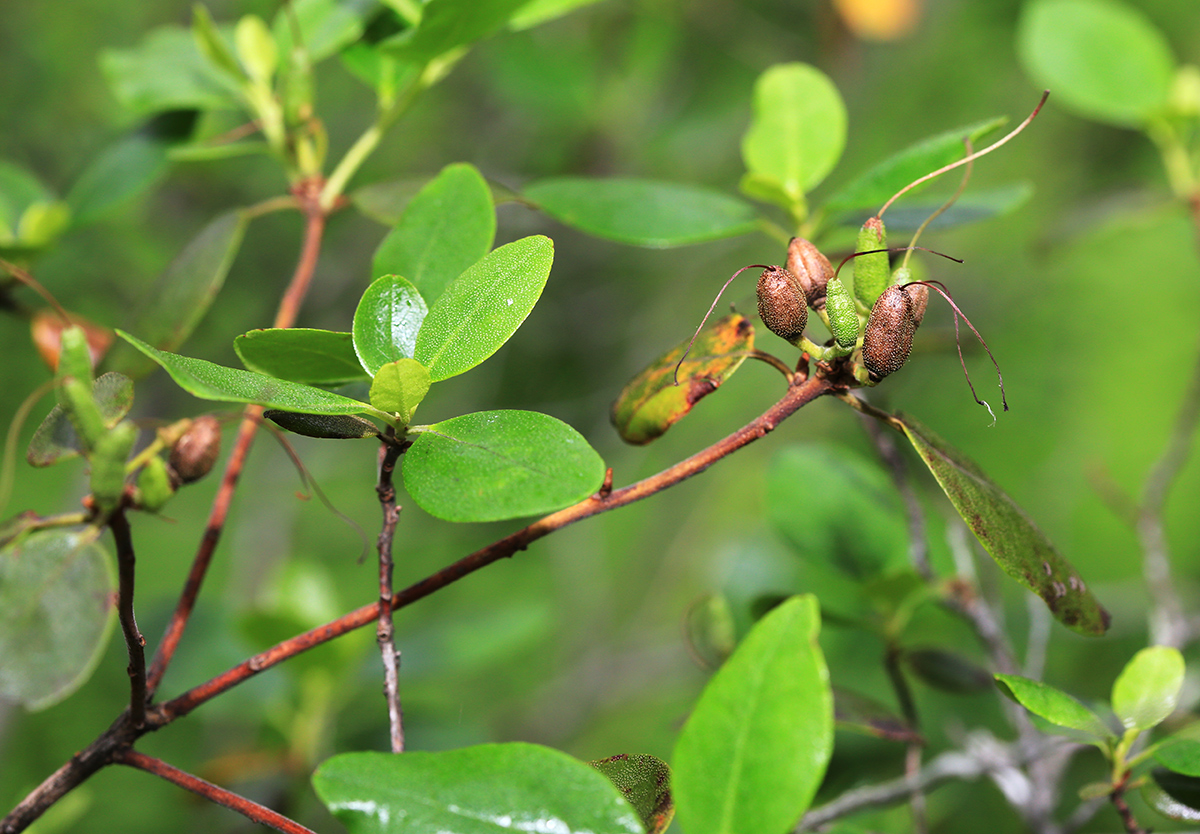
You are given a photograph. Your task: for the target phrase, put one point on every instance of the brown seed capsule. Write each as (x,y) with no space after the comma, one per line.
(195,452)
(887,341)
(782,303)
(811,268)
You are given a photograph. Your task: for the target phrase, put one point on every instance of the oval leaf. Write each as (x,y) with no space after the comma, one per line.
(210,381)
(1181,755)
(645,782)
(387,321)
(315,357)
(399,387)
(643,212)
(798,131)
(651,402)
(494,465)
(166,72)
(1104,59)
(448,226)
(56,614)
(1017,545)
(450,24)
(754,750)
(488,789)
(1054,705)
(1147,690)
(483,307)
(326,426)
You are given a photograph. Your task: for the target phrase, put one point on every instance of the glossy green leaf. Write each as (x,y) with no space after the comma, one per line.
(483,307)
(1017,545)
(399,387)
(1054,705)
(56,614)
(166,72)
(1147,690)
(798,130)
(651,402)
(210,381)
(326,26)
(450,24)
(754,750)
(643,212)
(494,465)
(325,426)
(1181,755)
(487,789)
(645,782)
(447,227)
(1173,795)
(877,185)
(1104,59)
(316,357)
(56,439)
(854,711)
(386,322)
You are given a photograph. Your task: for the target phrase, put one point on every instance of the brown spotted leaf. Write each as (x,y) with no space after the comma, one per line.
(1012,539)
(645,781)
(651,403)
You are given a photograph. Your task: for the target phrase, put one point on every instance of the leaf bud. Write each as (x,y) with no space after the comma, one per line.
(196,450)
(843,313)
(782,303)
(871,272)
(811,268)
(888,338)
(108,464)
(154,485)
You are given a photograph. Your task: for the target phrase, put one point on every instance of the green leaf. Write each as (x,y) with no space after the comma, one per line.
(1181,755)
(755,748)
(450,24)
(536,12)
(387,201)
(972,207)
(18,190)
(1104,59)
(798,130)
(399,387)
(256,48)
(651,402)
(877,185)
(56,439)
(487,789)
(326,426)
(1017,545)
(326,26)
(213,46)
(643,212)
(494,465)
(645,782)
(447,227)
(1147,690)
(56,614)
(315,357)
(1054,705)
(483,307)
(1173,795)
(948,671)
(210,381)
(386,322)
(166,72)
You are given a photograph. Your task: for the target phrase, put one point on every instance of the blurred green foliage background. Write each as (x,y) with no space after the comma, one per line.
(1088,296)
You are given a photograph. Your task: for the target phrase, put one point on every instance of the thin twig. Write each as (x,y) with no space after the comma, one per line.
(251,810)
(912,756)
(384,632)
(135,643)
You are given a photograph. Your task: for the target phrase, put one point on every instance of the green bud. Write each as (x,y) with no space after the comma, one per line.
(871,272)
(74,355)
(108,464)
(782,303)
(154,485)
(79,404)
(256,48)
(843,313)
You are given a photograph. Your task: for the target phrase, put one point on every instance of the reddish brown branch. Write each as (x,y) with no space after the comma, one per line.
(135,643)
(384,632)
(250,810)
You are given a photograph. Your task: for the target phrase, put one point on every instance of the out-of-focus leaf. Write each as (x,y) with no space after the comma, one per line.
(387,321)
(56,439)
(450,24)
(46,327)
(481,309)
(494,465)
(651,402)
(485,789)
(710,630)
(643,212)
(645,782)
(56,613)
(18,190)
(166,72)
(399,387)
(327,426)
(536,12)
(753,752)
(948,671)
(972,207)
(1181,755)
(1147,690)
(326,26)
(210,381)
(798,131)
(1054,705)
(315,357)
(1173,795)
(1102,58)
(853,711)
(877,185)
(385,201)
(448,226)
(1017,545)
